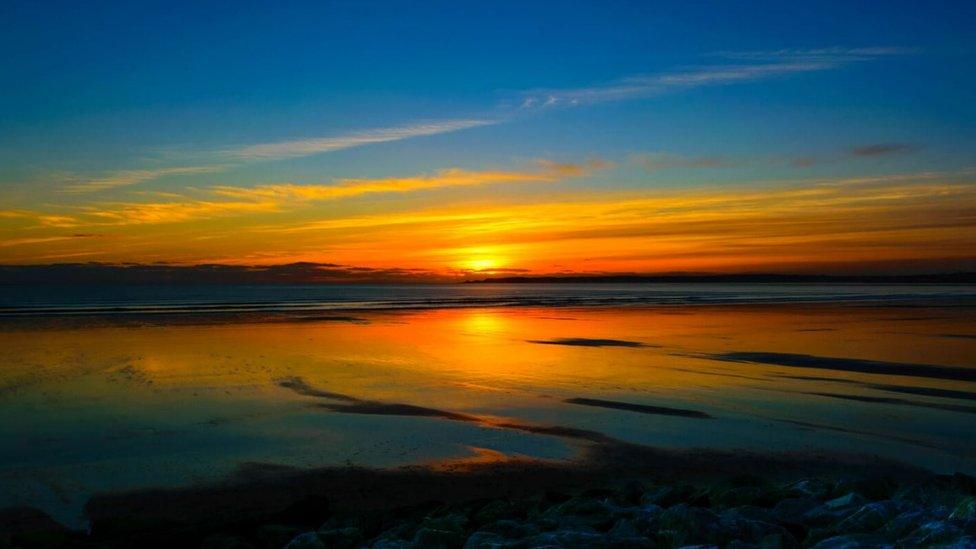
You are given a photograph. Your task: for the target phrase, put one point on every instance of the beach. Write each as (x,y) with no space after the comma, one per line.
(107,406)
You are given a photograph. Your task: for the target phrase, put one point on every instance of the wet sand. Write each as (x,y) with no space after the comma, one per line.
(137,420)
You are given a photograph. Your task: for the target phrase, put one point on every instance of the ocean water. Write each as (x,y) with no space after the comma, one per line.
(20,300)
(107,389)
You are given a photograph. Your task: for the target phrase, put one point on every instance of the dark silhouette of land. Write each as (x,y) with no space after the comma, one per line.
(772,278)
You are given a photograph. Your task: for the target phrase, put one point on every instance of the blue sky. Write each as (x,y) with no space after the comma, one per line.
(673,94)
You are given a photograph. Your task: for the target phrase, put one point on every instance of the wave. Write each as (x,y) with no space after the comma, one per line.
(178,300)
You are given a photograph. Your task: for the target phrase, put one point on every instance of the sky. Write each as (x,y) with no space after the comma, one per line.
(450,140)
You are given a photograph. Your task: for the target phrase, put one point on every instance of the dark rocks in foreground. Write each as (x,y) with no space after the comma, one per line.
(742,513)
(672,500)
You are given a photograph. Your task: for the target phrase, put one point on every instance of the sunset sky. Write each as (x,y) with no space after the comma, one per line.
(463,139)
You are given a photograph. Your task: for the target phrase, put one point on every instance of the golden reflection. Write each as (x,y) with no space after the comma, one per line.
(483,321)
(448,354)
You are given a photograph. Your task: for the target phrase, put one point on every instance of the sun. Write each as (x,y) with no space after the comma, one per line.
(482,263)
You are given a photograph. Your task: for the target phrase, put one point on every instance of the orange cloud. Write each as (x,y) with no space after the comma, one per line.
(926,217)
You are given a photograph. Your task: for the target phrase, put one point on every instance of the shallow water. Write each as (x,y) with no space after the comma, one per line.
(122,405)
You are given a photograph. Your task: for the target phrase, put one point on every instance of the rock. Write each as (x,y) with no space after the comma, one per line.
(624,528)
(933,533)
(341,538)
(692,524)
(669,538)
(454,522)
(778,541)
(631,492)
(666,496)
(904,524)
(750,512)
(438,539)
(834,510)
(966,510)
(389,543)
(853,541)
(510,529)
(869,518)
(486,540)
(495,511)
(308,540)
(810,488)
(625,542)
(793,510)
(871,487)
(938,502)
(736,544)
(646,519)
(741,495)
(567,538)
(581,513)
(403,531)
(851,499)
(735,527)
(965,542)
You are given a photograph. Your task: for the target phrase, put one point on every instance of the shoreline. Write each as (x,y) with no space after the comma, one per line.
(360,315)
(492,498)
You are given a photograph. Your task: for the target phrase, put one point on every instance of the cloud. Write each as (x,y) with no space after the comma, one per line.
(300,272)
(756,65)
(646,86)
(571,169)
(346,188)
(43,218)
(667,161)
(654,161)
(318,145)
(124,178)
(231,158)
(882,149)
(40,240)
(835,55)
(223,201)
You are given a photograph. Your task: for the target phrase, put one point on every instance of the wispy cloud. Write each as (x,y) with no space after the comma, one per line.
(753,66)
(41,218)
(318,145)
(125,178)
(834,55)
(667,161)
(220,201)
(882,149)
(346,188)
(43,239)
(234,157)
(138,213)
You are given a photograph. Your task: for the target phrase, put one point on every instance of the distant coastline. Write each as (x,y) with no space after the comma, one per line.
(941,278)
(309,273)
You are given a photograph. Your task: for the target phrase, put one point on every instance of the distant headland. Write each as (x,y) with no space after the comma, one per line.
(942,278)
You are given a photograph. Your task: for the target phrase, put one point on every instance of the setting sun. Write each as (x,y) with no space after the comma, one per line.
(482,264)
